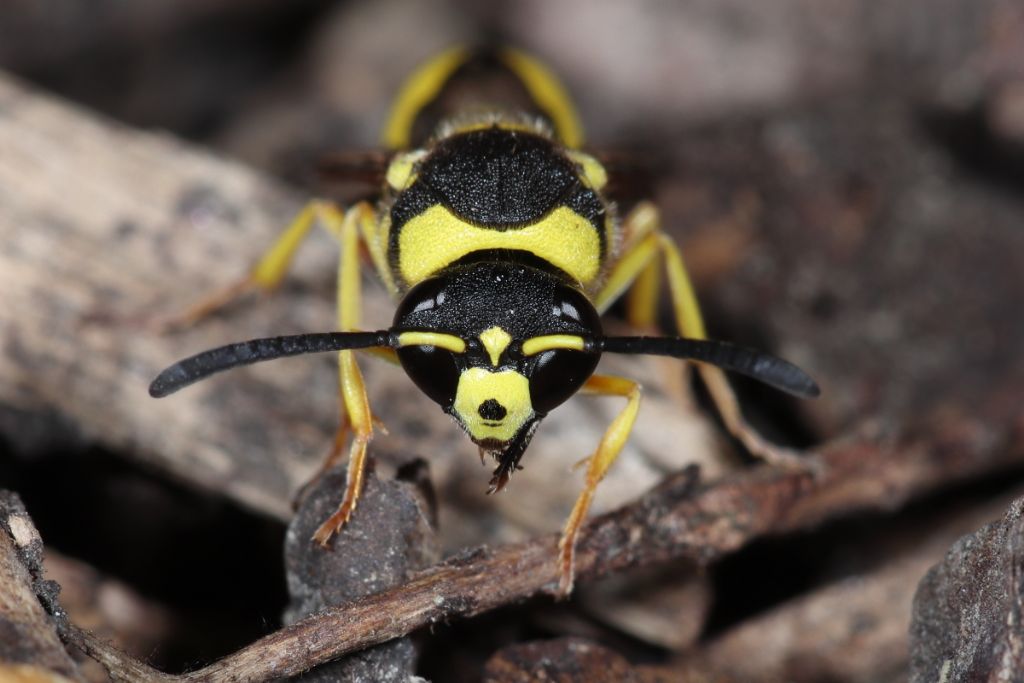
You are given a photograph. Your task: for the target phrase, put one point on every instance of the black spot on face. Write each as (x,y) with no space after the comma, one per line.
(492,410)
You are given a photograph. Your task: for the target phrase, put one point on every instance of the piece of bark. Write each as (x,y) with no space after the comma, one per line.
(96,221)
(381,547)
(968,622)
(30,648)
(853,630)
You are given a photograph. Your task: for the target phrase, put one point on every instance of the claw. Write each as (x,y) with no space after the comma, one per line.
(580,463)
(379,424)
(332,525)
(566,568)
(778,456)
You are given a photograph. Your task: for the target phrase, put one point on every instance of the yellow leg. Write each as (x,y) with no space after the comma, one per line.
(334,456)
(266,275)
(684,299)
(353,390)
(597,465)
(642,301)
(640,228)
(690,323)
(634,269)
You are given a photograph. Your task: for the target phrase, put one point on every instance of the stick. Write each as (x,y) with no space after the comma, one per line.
(678,520)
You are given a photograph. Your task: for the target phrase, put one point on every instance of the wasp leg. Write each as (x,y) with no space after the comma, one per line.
(640,228)
(341,435)
(265,276)
(633,269)
(597,465)
(353,391)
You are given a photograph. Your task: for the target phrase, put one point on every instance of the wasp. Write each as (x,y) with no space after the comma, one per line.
(502,242)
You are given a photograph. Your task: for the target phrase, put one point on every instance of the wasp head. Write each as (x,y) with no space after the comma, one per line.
(487,367)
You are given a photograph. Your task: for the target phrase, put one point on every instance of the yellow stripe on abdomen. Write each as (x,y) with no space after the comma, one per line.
(418,90)
(437,238)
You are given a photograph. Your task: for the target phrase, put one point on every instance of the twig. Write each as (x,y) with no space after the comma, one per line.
(677,520)
(120,665)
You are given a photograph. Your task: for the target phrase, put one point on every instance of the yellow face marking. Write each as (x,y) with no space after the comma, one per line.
(437,238)
(594,175)
(438,339)
(495,340)
(419,89)
(548,92)
(548,342)
(509,388)
(399,174)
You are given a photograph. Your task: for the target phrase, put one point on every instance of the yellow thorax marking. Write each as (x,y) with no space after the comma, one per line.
(437,238)
(495,340)
(438,339)
(549,342)
(399,174)
(594,174)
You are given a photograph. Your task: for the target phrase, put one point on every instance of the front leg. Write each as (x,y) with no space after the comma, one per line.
(597,466)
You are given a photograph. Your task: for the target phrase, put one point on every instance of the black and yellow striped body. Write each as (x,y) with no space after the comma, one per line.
(496,235)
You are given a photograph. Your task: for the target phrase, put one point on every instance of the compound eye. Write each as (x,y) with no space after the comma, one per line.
(557,375)
(433,370)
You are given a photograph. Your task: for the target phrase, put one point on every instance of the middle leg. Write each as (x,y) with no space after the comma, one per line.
(637,269)
(265,276)
(356,416)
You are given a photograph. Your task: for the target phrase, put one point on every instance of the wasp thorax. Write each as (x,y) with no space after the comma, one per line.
(490,383)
